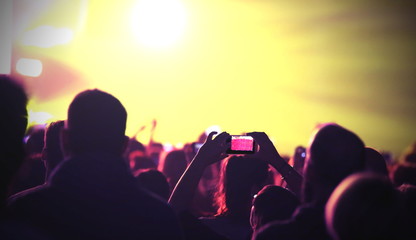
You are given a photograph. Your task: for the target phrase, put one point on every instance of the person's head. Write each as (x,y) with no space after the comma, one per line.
(96,122)
(13,101)
(154,151)
(153,181)
(52,153)
(364,206)
(404,173)
(409,155)
(241,178)
(374,161)
(272,203)
(13,123)
(174,165)
(134,149)
(34,141)
(333,154)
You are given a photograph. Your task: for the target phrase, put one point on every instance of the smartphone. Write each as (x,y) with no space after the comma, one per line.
(241,144)
(301,151)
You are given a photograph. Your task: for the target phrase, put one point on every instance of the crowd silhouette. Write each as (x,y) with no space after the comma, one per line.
(83,178)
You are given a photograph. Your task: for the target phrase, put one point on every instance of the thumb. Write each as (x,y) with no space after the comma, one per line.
(210,136)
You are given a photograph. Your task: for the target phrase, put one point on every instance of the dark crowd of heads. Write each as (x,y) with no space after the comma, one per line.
(348,191)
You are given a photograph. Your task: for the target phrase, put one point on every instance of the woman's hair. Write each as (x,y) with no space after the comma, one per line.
(173,166)
(241,178)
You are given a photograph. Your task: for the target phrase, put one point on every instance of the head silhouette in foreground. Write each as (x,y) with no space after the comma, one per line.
(13,123)
(365,206)
(96,123)
(92,194)
(333,154)
(272,203)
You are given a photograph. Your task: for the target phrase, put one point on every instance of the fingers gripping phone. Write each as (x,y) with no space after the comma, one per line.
(241,144)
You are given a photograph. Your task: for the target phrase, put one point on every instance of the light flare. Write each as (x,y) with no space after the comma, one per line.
(158,23)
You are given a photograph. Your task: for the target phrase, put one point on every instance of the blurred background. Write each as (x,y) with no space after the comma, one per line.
(235,65)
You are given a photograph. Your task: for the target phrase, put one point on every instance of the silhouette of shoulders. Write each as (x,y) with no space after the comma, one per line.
(82,193)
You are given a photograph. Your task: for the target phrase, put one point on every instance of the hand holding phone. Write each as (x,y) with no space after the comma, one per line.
(267,150)
(214,148)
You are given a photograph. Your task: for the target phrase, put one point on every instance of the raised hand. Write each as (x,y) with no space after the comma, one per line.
(213,150)
(266,150)
(268,153)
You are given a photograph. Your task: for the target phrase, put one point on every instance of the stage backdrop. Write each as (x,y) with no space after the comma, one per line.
(243,65)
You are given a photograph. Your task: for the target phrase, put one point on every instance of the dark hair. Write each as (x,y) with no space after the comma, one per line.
(273,203)
(404,173)
(364,206)
(174,165)
(334,153)
(154,181)
(35,141)
(239,175)
(96,122)
(375,162)
(13,123)
(52,149)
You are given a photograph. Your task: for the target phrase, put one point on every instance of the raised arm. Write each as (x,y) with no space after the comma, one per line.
(268,152)
(212,151)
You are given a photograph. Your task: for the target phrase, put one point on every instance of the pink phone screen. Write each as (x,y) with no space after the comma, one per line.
(242,143)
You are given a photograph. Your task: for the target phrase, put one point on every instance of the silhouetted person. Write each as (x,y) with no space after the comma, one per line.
(404,172)
(241,178)
(154,181)
(375,162)
(154,151)
(334,153)
(13,123)
(173,166)
(32,171)
(52,154)
(93,195)
(365,206)
(135,149)
(272,203)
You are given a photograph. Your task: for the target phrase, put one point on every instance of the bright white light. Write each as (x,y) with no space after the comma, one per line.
(179,145)
(38,117)
(29,67)
(167,147)
(214,128)
(158,23)
(47,36)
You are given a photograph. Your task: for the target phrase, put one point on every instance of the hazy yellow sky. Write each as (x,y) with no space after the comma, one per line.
(245,65)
